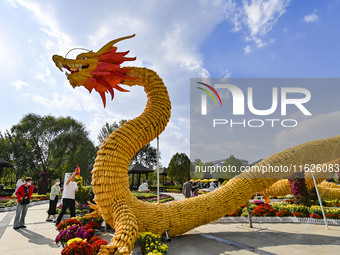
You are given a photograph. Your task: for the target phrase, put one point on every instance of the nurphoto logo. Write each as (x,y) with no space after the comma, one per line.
(281,97)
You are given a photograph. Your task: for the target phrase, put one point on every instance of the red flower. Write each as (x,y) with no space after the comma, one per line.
(314,215)
(283,213)
(92,224)
(96,245)
(65,223)
(299,215)
(95,238)
(331,216)
(78,248)
(264,210)
(91,232)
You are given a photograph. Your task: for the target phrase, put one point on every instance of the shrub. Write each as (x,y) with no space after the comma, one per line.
(237,212)
(331,216)
(244,214)
(83,194)
(81,247)
(282,213)
(92,224)
(264,210)
(315,216)
(72,232)
(299,215)
(66,223)
(96,244)
(85,221)
(151,243)
(291,208)
(258,202)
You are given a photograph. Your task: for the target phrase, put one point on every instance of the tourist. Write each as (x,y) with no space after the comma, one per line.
(19,183)
(194,189)
(69,198)
(144,187)
(187,189)
(23,194)
(54,196)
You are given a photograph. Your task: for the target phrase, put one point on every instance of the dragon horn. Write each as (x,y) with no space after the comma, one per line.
(110,44)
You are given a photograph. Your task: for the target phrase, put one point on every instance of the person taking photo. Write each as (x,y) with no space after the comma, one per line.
(69,201)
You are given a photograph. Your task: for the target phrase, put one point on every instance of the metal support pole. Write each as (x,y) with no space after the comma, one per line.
(320,202)
(157,169)
(249,216)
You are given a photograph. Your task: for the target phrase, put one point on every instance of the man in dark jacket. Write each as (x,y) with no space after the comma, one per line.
(23,194)
(187,189)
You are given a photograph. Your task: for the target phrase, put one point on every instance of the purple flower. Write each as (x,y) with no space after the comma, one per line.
(72,232)
(82,233)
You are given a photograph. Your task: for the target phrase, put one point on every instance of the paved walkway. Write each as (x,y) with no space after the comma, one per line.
(177,196)
(211,239)
(37,238)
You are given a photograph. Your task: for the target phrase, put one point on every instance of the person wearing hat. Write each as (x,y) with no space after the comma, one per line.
(23,194)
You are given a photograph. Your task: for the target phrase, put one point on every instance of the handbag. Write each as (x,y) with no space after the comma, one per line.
(25,201)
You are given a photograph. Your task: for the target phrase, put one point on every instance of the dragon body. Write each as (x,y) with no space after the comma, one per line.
(115,203)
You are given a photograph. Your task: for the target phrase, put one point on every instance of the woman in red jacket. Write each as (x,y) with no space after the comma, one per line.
(23,194)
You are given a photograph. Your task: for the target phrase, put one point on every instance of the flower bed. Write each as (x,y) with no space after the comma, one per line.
(284,209)
(9,201)
(276,219)
(151,244)
(77,236)
(152,197)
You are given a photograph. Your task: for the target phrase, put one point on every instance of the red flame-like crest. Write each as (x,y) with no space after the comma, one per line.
(108,73)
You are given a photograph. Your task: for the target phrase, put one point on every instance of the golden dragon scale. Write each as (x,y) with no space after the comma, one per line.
(116,204)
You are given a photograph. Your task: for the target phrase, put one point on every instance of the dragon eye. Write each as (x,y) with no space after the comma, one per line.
(84,58)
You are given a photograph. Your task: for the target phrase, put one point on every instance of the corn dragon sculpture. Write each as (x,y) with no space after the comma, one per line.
(102,72)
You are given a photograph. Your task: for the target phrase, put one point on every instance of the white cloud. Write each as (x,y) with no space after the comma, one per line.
(256,18)
(227,73)
(46,18)
(311,18)
(317,127)
(167,40)
(246,49)
(57,102)
(19,84)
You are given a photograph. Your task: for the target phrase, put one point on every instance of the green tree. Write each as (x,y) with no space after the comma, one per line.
(146,156)
(50,144)
(234,164)
(107,129)
(5,153)
(196,173)
(179,167)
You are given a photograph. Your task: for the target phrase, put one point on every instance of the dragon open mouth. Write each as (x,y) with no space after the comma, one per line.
(72,68)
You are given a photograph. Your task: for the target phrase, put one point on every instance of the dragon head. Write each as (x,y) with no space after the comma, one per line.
(97,70)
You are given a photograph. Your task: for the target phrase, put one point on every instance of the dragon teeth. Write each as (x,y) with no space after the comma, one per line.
(60,65)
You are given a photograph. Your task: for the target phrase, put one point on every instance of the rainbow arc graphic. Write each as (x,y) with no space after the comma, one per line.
(209,93)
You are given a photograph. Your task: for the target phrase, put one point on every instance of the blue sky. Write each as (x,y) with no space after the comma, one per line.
(178,39)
